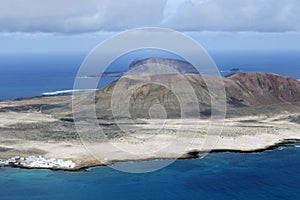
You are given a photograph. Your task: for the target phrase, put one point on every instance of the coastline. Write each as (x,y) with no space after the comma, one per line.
(187,156)
(240,135)
(45,126)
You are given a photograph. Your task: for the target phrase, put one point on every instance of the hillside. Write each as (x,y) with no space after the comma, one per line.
(246,94)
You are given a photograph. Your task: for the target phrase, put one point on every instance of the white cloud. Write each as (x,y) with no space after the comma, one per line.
(237,15)
(115,15)
(78,16)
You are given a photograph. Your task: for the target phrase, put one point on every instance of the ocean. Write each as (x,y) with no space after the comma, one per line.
(268,175)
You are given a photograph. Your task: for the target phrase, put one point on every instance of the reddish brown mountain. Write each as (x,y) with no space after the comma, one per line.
(246,94)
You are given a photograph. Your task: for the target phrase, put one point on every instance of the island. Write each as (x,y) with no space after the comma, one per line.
(263,112)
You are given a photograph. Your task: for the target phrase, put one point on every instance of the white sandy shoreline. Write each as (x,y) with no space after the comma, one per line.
(189,155)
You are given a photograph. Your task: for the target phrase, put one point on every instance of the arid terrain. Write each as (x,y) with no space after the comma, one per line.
(263,111)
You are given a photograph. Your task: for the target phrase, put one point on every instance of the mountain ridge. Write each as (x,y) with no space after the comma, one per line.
(246,94)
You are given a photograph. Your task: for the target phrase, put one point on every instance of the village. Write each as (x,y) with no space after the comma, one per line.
(38,162)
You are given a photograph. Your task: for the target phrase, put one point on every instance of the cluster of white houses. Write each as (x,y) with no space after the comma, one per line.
(38,162)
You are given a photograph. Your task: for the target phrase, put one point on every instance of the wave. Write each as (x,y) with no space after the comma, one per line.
(65,92)
(225,71)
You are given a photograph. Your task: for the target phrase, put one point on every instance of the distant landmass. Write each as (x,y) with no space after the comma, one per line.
(179,65)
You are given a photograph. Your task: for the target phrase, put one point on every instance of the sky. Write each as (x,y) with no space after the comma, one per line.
(74,25)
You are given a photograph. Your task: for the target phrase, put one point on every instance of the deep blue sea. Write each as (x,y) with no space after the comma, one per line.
(220,176)
(268,175)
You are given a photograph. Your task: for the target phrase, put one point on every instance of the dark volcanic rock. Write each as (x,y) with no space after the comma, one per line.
(261,93)
(262,88)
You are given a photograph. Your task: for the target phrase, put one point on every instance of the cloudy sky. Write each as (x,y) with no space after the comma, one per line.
(73,24)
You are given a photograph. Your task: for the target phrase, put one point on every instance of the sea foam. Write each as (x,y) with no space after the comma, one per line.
(65,92)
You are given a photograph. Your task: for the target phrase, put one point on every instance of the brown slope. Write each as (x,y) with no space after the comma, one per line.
(263,88)
(247,94)
(257,93)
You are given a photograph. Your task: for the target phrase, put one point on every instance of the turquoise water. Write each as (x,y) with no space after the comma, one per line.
(268,175)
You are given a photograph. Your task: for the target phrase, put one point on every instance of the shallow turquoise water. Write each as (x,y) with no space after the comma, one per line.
(268,175)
